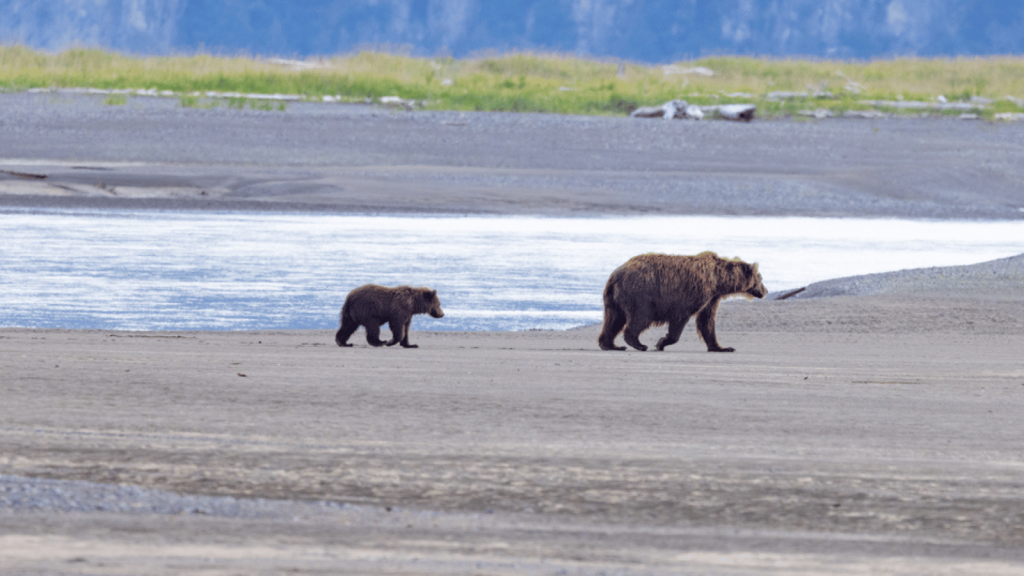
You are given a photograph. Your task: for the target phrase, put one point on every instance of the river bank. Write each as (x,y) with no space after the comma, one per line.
(74,151)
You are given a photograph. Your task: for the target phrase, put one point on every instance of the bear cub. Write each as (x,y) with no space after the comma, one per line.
(371,306)
(666,289)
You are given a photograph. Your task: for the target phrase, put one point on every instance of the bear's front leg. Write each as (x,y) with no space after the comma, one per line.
(405,341)
(706,327)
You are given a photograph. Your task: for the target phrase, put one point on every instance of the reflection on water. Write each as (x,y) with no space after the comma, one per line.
(152,270)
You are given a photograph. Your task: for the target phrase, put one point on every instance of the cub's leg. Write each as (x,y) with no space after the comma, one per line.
(348,327)
(706,327)
(373,334)
(405,341)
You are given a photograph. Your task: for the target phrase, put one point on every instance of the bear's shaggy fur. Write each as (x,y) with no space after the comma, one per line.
(371,306)
(661,288)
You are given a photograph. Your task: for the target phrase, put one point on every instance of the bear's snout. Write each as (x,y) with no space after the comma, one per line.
(436,314)
(758,291)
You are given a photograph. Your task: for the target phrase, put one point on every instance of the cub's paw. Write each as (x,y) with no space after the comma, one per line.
(345,345)
(722,350)
(410,345)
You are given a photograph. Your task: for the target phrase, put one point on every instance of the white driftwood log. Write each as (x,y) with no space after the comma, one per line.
(694,112)
(648,112)
(670,110)
(399,101)
(739,112)
(681,109)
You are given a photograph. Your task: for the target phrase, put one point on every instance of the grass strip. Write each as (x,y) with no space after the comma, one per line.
(532,82)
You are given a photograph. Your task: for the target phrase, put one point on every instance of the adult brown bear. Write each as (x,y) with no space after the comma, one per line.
(661,288)
(371,306)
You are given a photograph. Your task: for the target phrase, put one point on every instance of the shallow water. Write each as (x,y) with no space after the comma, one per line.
(157,270)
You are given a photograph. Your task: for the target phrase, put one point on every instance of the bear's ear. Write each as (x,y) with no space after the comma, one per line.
(429,294)
(754,267)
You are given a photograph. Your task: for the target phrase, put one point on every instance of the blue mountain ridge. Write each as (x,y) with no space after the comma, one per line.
(654,31)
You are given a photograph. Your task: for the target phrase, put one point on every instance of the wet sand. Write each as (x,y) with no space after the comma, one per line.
(825,444)
(151,152)
(873,432)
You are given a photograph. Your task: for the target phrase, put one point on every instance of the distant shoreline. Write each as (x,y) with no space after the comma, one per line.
(76,151)
(988,87)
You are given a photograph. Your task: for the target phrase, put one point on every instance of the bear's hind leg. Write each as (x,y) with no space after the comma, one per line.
(614,321)
(344,333)
(373,334)
(675,329)
(706,327)
(635,326)
(398,331)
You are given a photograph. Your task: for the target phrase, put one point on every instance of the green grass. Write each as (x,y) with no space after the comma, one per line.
(526,82)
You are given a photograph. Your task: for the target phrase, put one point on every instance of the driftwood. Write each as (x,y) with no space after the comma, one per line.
(681,109)
(738,112)
(670,110)
(791,293)
(398,101)
(647,112)
(24,175)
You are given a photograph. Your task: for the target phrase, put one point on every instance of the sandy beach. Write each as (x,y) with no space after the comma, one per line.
(865,425)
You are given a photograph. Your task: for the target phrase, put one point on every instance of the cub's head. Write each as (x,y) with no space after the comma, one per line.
(431,305)
(754,287)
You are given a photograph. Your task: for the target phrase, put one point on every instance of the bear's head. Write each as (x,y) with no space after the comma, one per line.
(431,305)
(754,286)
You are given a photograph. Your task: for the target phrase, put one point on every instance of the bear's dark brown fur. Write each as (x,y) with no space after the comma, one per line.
(371,306)
(661,288)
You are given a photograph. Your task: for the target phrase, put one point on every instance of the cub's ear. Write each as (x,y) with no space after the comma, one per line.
(755,268)
(429,294)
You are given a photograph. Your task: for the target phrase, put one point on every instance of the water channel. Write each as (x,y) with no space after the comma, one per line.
(165,270)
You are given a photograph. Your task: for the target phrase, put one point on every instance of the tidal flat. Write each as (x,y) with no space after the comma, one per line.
(871,432)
